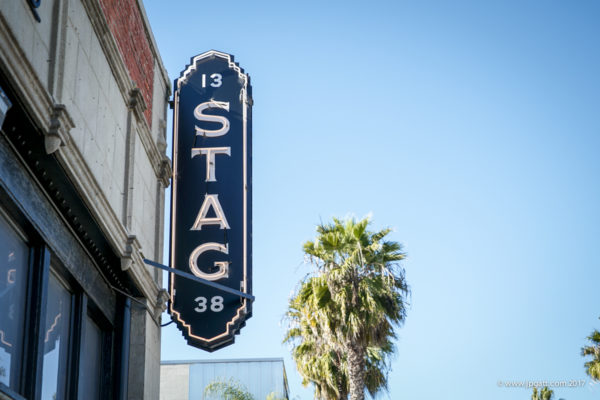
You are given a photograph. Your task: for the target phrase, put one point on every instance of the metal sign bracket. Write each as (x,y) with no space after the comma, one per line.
(199,280)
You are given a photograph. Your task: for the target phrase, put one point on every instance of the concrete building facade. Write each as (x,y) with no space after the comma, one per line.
(83,172)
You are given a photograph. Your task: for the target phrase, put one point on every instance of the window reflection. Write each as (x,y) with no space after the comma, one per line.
(91,362)
(13,269)
(56,341)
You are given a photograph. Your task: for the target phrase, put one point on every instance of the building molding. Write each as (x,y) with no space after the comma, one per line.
(161,304)
(61,124)
(56,62)
(136,102)
(135,105)
(166,167)
(126,260)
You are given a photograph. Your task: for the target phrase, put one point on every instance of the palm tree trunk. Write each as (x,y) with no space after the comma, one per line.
(356,371)
(341,387)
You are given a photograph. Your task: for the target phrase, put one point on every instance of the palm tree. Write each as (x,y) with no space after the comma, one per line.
(317,360)
(227,390)
(232,390)
(544,394)
(346,310)
(593,366)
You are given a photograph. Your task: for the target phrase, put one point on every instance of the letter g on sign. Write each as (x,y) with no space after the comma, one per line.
(223,266)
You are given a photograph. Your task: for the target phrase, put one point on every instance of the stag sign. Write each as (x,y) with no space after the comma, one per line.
(211,200)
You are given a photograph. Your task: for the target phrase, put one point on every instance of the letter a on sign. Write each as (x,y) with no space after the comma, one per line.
(211,214)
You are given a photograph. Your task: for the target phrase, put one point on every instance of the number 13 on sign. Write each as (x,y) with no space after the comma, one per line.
(217,80)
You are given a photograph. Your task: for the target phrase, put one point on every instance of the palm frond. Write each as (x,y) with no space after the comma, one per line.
(592,367)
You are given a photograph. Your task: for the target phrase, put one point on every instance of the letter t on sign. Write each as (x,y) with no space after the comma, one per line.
(210,152)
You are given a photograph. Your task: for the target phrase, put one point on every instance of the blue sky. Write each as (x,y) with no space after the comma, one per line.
(471,128)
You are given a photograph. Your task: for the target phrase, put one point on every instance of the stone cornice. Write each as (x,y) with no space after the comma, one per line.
(61,124)
(136,103)
(166,172)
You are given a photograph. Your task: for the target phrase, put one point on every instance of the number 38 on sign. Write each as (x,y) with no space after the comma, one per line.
(211,200)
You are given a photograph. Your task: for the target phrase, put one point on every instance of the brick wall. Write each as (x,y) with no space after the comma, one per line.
(126,25)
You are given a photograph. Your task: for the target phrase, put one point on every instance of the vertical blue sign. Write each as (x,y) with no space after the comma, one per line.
(211,200)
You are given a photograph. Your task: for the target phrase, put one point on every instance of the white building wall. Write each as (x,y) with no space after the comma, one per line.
(174,382)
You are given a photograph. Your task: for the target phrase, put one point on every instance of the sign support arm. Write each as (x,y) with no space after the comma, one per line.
(200,280)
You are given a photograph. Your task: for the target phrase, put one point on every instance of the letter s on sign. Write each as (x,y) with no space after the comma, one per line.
(200,116)
(223,271)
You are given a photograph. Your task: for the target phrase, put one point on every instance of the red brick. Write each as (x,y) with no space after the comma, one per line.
(127,26)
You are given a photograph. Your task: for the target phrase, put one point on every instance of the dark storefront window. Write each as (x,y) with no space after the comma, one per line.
(13,287)
(56,340)
(55,343)
(90,373)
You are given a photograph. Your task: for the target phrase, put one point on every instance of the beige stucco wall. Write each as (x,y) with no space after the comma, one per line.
(174,382)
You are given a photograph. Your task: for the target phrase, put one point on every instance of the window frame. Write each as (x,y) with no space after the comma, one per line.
(41,263)
(91,311)
(72,327)
(21,235)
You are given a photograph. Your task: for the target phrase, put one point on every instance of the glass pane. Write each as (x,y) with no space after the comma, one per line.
(56,341)
(13,281)
(91,362)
